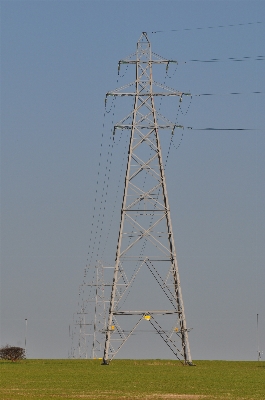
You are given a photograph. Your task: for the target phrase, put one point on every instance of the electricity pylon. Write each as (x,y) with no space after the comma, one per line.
(146,248)
(91,321)
(101,305)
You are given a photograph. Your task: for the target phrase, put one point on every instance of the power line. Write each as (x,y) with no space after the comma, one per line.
(222,129)
(232,59)
(206,27)
(226,94)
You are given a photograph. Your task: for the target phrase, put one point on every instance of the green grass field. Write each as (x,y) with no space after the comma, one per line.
(131,379)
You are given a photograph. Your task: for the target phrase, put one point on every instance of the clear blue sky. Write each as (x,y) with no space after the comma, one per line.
(58,59)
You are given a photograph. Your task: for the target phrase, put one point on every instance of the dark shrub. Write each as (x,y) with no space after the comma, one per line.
(12,353)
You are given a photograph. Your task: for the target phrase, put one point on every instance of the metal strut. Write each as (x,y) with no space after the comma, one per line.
(145,242)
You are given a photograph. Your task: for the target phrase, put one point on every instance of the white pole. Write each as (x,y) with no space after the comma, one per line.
(26,321)
(258,336)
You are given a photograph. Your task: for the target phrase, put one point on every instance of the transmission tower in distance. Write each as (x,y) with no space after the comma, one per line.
(90,323)
(146,294)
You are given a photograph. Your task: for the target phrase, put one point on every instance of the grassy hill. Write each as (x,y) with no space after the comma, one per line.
(131,379)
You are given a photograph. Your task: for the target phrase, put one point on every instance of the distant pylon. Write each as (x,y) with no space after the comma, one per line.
(101,306)
(90,323)
(146,249)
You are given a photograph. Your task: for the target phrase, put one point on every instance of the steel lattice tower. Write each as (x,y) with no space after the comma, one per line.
(146,249)
(91,321)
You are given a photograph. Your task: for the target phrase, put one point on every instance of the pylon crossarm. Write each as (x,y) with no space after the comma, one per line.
(123,61)
(148,62)
(163,59)
(147,94)
(138,127)
(146,312)
(113,93)
(171,90)
(168,126)
(122,123)
(156,60)
(144,85)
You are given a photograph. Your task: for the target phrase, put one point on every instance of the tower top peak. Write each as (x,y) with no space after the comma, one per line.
(143,38)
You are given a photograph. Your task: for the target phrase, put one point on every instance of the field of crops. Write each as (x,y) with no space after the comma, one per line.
(131,379)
